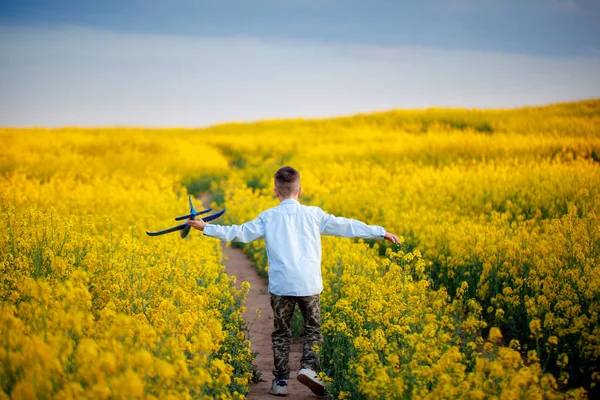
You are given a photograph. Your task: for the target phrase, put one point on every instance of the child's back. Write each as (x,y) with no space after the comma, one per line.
(292,234)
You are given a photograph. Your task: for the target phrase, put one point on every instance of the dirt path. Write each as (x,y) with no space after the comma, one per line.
(236,263)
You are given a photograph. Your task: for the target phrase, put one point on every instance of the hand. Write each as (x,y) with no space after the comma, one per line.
(196,224)
(392,238)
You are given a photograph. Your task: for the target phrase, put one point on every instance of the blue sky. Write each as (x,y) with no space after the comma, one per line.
(195,63)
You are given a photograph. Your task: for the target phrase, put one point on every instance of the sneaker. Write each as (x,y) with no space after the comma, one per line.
(279,387)
(309,378)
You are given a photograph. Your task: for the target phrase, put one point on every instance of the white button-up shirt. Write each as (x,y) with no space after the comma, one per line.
(292,234)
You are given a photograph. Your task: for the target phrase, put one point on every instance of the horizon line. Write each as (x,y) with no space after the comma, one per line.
(307,119)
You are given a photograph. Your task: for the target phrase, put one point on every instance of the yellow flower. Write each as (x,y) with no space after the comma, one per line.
(495,334)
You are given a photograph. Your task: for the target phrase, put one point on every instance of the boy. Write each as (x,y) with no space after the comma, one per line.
(292,237)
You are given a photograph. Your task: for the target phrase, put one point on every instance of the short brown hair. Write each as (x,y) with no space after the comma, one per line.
(287,181)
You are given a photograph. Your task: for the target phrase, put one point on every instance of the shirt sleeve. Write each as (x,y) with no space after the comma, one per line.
(350,228)
(244,233)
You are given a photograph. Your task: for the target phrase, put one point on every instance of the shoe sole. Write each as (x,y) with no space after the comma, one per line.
(314,387)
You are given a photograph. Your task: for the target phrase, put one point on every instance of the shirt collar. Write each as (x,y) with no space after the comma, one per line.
(289,201)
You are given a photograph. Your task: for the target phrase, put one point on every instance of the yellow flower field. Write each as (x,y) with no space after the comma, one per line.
(500,207)
(91,306)
(494,293)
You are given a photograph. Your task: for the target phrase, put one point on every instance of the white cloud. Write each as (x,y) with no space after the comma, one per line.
(73,76)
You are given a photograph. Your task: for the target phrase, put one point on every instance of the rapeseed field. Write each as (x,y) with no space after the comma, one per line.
(494,293)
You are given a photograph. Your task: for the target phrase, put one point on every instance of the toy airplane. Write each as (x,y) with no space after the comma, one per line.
(185,227)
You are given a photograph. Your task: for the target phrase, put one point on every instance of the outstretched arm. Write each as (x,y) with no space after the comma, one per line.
(244,233)
(352,228)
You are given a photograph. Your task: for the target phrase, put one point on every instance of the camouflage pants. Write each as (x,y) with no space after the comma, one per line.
(283,310)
